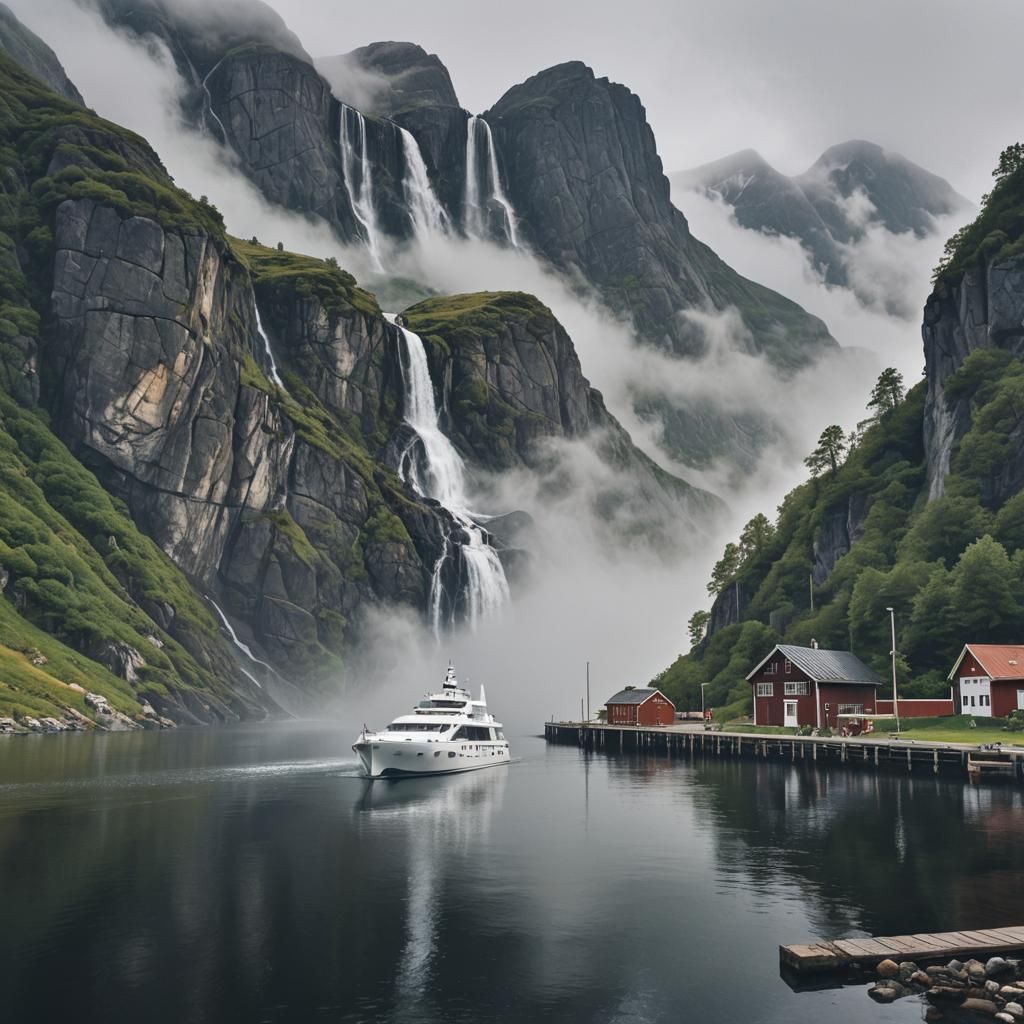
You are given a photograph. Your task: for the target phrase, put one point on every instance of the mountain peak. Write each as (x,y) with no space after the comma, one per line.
(400,75)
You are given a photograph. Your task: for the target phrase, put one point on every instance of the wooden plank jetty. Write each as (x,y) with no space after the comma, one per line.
(876,753)
(832,955)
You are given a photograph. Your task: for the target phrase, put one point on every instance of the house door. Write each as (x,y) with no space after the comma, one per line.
(1020,700)
(790,713)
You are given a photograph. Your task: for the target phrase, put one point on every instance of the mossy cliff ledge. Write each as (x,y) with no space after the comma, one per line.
(513,386)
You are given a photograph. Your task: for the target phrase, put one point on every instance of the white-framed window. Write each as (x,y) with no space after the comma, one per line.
(771,668)
(851,709)
(796,689)
(983,700)
(789,666)
(966,700)
(765,689)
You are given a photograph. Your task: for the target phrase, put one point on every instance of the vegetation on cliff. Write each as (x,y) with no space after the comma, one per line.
(865,538)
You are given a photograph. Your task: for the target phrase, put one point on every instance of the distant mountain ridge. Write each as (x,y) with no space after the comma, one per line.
(851,187)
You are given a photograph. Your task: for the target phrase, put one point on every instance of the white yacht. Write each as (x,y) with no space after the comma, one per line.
(446,732)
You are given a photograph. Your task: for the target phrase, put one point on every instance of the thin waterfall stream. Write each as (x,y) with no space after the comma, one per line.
(488,174)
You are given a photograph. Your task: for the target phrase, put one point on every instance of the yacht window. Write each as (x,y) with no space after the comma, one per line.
(451,753)
(416,727)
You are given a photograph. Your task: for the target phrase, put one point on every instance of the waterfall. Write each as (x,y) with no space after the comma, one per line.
(486,585)
(274,376)
(360,192)
(497,192)
(426,212)
(472,215)
(209,102)
(473,220)
(244,648)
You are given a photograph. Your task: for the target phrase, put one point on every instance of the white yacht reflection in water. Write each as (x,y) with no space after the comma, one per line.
(442,819)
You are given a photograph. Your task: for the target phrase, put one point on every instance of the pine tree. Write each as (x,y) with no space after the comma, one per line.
(725,569)
(829,453)
(756,535)
(697,626)
(888,391)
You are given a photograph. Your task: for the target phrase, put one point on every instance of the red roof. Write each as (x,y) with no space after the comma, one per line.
(1000,661)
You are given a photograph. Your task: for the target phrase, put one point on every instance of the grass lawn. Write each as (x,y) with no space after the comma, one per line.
(957,729)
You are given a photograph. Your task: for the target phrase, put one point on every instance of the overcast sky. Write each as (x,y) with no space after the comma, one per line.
(937,80)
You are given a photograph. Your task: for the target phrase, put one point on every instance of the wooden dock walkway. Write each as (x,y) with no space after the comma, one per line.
(871,753)
(823,955)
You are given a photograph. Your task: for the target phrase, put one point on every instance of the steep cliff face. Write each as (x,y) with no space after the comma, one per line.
(585,178)
(261,493)
(981,310)
(28,50)
(278,115)
(513,383)
(270,496)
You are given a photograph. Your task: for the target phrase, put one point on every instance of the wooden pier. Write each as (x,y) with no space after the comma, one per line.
(683,740)
(822,955)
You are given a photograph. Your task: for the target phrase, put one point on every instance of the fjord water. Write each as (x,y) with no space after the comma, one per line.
(249,875)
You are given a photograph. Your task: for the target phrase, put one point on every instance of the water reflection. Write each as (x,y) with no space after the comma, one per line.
(249,875)
(436,818)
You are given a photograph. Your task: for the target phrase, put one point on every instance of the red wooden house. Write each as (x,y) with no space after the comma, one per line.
(640,705)
(797,686)
(988,680)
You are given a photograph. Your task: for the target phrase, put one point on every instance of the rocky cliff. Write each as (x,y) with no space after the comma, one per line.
(27,49)
(160,379)
(586,180)
(513,383)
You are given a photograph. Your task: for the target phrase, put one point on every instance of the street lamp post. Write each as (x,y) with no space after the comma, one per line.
(892,654)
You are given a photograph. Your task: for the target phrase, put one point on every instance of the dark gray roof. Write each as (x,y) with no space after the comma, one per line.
(635,695)
(826,666)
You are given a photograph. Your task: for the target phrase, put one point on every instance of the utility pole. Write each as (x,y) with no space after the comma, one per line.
(895,703)
(581,709)
(588,691)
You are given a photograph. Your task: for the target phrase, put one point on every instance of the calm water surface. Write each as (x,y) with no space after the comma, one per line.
(248,875)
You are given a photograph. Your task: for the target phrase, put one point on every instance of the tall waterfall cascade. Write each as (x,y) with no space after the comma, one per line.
(358,173)
(427,214)
(443,478)
(487,175)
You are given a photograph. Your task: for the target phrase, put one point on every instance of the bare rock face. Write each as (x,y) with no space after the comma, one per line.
(585,177)
(279,117)
(842,527)
(983,310)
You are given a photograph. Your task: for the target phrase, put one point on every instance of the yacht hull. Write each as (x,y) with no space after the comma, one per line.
(383,759)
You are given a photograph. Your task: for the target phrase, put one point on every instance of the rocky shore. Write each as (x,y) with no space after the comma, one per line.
(957,991)
(107,719)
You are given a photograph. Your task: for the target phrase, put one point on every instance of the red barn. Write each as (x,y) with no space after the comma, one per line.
(808,686)
(640,705)
(988,680)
